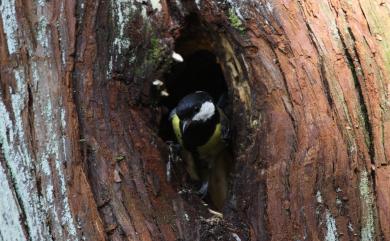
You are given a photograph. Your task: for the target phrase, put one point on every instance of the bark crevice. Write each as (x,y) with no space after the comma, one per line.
(357,81)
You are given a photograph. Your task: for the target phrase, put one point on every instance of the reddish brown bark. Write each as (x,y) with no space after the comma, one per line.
(81,152)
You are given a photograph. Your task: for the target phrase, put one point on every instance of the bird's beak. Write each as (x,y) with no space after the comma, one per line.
(186,124)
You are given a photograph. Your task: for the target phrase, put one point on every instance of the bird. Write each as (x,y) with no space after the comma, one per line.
(202,130)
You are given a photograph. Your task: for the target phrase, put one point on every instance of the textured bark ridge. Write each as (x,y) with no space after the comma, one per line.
(82,154)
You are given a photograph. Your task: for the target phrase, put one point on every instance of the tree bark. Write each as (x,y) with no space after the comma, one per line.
(81,156)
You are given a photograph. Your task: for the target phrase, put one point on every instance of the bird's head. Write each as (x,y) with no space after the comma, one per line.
(195,108)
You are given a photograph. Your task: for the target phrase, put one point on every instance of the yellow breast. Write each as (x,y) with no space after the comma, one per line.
(207,151)
(214,146)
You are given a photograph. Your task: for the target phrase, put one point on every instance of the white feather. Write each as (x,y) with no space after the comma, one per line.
(206,111)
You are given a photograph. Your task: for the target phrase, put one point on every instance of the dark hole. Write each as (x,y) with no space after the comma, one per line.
(199,71)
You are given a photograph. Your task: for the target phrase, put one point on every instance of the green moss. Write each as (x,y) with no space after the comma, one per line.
(235,21)
(155,50)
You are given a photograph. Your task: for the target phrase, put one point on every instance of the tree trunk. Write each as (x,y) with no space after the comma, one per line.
(82,154)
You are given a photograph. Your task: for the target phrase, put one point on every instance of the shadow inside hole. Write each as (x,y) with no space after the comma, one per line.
(199,71)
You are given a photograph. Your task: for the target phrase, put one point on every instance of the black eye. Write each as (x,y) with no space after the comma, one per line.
(197,108)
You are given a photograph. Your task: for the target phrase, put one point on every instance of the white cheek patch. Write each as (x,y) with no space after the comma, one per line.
(206,111)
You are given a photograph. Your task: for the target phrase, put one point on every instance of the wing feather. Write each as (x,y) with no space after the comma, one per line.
(225,126)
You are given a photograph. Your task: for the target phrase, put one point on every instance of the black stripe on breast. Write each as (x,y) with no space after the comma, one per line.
(198,133)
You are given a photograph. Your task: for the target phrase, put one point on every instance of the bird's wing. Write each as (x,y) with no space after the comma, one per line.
(223,106)
(225,126)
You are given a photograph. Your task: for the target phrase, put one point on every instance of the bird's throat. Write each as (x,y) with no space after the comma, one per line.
(198,133)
